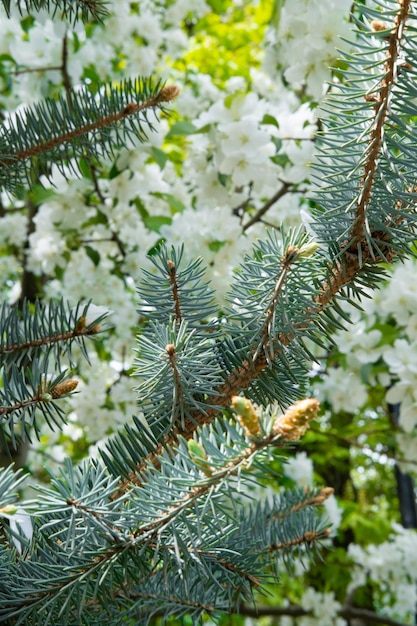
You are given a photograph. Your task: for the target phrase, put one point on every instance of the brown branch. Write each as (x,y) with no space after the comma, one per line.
(43,394)
(28,70)
(126,593)
(307,537)
(164,95)
(313,500)
(240,209)
(238,379)
(135,477)
(66,80)
(29,282)
(114,236)
(208,608)
(370,617)
(202,553)
(356,252)
(349,265)
(32,285)
(178,399)
(254,581)
(23,404)
(381,109)
(261,212)
(174,290)
(97,189)
(272,611)
(293,610)
(51,339)
(287,261)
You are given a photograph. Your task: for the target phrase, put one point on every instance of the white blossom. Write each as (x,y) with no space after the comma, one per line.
(300,468)
(324,609)
(344,390)
(392,565)
(20,524)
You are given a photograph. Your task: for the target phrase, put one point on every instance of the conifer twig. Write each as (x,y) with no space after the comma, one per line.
(166,94)
(357,252)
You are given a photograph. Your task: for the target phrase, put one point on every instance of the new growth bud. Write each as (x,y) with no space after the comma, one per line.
(293,424)
(293,253)
(64,388)
(246,415)
(48,393)
(81,324)
(199,457)
(168,93)
(9,509)
(377,26)
(322,496)
(308,249)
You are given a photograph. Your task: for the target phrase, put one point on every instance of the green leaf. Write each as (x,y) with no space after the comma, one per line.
(93,254)
(218,6)
(389,333)
(270,119)
(367,528)
(215,246)
(276,12)
(154,222)
(159,156)
(176,205)
(40,195)
(182,128)
(85,168)
(281,159)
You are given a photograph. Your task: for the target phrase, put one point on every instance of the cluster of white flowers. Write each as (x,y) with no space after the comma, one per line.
(397,305)
(324,610)
(240,144)
(344,391)
(318,25)
(393,567)
(300,468)
(384,333)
